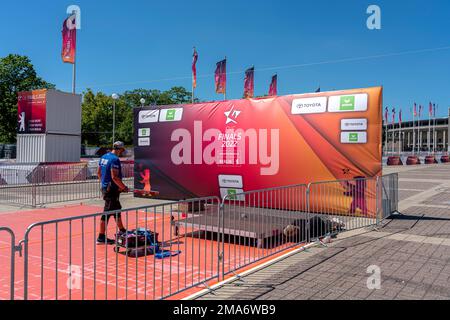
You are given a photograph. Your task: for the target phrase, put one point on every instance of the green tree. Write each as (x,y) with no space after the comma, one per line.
(97,112)
(16,74)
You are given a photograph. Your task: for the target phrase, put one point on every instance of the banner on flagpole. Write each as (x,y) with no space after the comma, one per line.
(194,69)
(273,90)
(249,83)
(221,76)
(69,38)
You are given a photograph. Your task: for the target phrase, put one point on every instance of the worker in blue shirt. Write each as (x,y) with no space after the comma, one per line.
(110,175)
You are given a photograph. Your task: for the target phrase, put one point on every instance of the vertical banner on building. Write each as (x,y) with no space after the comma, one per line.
(226,148)
(69,38)
(32,112)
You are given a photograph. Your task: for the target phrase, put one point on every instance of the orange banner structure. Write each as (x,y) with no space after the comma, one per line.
(229,147)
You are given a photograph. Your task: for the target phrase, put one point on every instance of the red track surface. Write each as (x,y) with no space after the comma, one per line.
(57,250)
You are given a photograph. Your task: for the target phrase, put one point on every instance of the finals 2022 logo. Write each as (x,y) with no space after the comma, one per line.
(230,147)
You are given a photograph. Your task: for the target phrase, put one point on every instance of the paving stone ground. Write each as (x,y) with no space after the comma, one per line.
(412,251)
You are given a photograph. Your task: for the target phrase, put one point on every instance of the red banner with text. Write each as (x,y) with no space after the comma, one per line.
(31,107)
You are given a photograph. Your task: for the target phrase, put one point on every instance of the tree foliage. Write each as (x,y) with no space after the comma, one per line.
(97,113)
(16,74)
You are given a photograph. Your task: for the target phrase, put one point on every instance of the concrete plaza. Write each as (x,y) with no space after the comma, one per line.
(412,251)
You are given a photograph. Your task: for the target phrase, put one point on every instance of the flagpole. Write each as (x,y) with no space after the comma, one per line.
(429,130)
(225,91)
(74,73)
(393,138)
(414,134)
(386,138)
(192,84)
(434,130)
(74,66)
(401,139)
(393,131)
(418,131)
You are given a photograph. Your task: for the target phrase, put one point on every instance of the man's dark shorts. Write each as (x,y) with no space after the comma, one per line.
(112,203)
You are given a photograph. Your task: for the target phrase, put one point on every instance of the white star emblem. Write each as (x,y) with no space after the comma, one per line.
(232,116)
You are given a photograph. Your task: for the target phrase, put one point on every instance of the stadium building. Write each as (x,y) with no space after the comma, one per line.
(423,135)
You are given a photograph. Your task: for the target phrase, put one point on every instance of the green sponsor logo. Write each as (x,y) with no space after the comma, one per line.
(170,116)
(347,103)
(232,194)
(353,137)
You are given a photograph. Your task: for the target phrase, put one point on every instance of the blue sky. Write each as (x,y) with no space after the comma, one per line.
(131,44)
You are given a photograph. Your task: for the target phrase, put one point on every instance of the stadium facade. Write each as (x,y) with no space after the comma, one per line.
(423,135)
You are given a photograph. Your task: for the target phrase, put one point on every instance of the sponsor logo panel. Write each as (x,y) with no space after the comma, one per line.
(144,142)
(144,132)
(354,137)
(309,105)
(170,115)
(353,124)
(348,103)
(232,194)
(230,181)
(148,116)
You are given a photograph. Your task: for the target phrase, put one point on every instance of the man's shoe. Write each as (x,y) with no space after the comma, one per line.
(101,241)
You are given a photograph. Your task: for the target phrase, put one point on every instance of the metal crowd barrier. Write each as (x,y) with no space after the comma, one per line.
(63,262)
(343,205)
(7,254)
(389,194)
(200,240)
(46,184)
(259,224)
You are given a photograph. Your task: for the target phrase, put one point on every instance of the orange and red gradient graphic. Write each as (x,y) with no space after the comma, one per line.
(264,143)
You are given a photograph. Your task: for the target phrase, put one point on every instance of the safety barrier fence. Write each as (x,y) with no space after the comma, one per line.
(7,263)
(192,243)
(39,185)
(262,223)
(344,205)
(389,194)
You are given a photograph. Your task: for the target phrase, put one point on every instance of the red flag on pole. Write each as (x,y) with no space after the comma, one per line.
(249,83)
(221,76)
(194,69)
(415,109)
(273,86)
(393,115)
(430,109)
(69,35)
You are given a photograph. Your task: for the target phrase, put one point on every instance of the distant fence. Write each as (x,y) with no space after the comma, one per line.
(38,185)
(195,242)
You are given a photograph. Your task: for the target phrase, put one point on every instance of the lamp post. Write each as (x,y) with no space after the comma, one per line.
(114,97)
(142,102)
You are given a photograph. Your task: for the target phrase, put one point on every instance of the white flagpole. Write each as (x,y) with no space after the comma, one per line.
(386,138)
(225,92)
(414,132)
(429,130)
(74,76)
(393,133)
(434,129)
(400,140)
(74,66)
(419,143)
(193,89)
